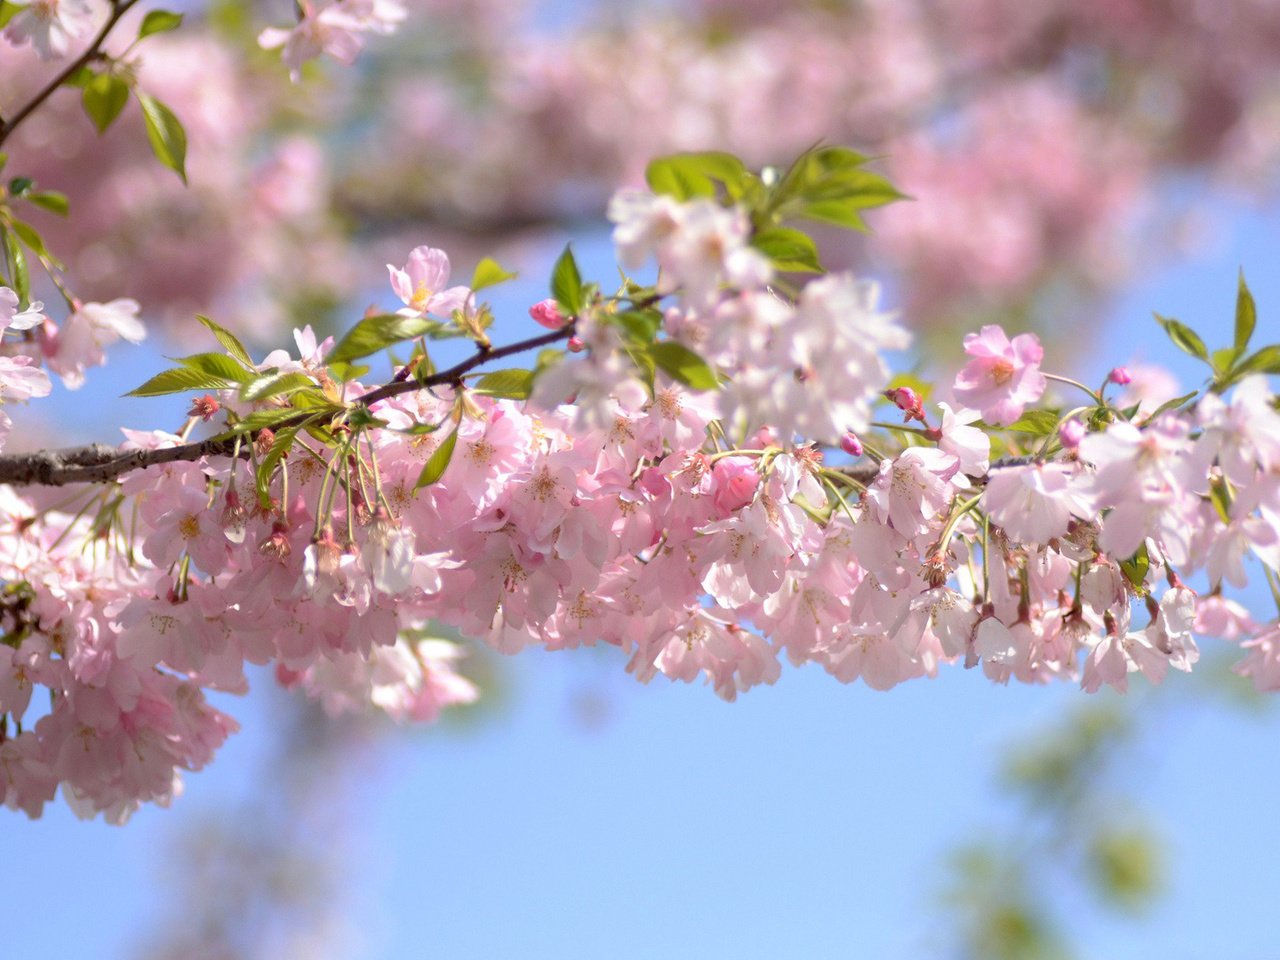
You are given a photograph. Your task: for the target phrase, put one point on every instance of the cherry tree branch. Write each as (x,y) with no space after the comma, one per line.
(98,463)
(118,9)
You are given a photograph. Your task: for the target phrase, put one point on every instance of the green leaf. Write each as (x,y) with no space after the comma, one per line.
(217,365)
(51,200)
(164,130)
(377,333)
(275,385)
(19,276)
(1183,337)
(180,380)
(683,365)
(159,21)
(566,284)
(1039,422)
(279,447)
(35,243)
(1265,360)
(841,213)
(1171,404)
(790,250)
(435,466)
(641,325)
(344,372)
(1246,316)
(7,10)
(688,175)
(512,384)
(104,97)
(20,186)
(264,418)
(490,273)
(1135,568)
(230,342)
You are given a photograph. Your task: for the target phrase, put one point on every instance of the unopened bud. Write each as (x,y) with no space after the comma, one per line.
(576,345)
(851,445)
(1071,433)
(1120,376)
(908,401)
(547,313)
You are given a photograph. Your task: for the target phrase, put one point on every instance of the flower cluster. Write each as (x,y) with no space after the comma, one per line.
(679,488)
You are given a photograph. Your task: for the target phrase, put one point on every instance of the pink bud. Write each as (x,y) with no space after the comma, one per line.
(851,445)
(548,314)
(908,401)
(1071,433)
(1120,376)
(576,345)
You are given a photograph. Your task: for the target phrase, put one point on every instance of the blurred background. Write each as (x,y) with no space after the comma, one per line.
(1074,166)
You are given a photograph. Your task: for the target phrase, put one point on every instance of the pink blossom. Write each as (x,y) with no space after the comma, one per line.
(13,318)
(50,25)
(1004,375)
(421,284)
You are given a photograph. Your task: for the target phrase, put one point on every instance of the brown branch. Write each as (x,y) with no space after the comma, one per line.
(97,463)
(118,9)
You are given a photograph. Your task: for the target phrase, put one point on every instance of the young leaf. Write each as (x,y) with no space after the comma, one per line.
(1265,360)
(159,21)
(1183,337)
(490,273)
(263,418)
(688,175)
(279,447)
(435,466)
(377,333)
(180,380)
(217,365)
(229,341)
(790,250)
(275,385)
(1038,422)
(683,365)
(104,96)
(1135,568)
(51,200)
(641,325)
(35,243)
(1246,316)
(566,284)
(19,276)
(164,130)
(511,384)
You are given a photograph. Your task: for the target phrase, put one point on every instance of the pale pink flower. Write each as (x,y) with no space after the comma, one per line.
(334,28)
(13,318)
(1034,503)
(81,340)
(22,379)
(50,25)
(967,444)
(422,284)
(1003,376)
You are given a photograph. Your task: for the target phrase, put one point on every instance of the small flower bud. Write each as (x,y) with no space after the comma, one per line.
(851,445)
(1071,433)
(1120,376)
(547,313)
(576,345)
(908,401)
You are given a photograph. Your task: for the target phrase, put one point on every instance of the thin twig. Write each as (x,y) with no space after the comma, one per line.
(98,463)
(118,10)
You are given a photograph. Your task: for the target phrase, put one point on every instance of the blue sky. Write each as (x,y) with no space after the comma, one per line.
(807,819)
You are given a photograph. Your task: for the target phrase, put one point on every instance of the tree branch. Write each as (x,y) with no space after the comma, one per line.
(98,463)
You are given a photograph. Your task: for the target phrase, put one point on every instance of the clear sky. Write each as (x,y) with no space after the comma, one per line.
(587,816)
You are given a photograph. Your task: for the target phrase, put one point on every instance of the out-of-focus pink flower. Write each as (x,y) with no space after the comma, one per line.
(50,25)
